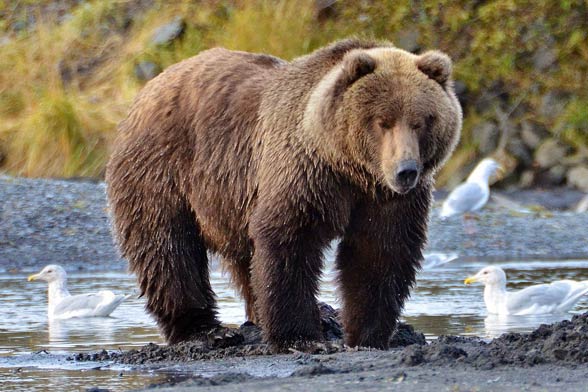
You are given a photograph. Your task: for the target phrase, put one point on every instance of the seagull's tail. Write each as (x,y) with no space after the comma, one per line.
(444,213)
(575,297)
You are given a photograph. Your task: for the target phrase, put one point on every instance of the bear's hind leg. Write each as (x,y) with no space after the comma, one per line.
(241,278)
(158,234)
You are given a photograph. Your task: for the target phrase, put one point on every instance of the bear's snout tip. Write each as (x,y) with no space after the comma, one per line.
(407,175)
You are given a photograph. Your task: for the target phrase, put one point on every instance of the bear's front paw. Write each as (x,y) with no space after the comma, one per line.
(219,337)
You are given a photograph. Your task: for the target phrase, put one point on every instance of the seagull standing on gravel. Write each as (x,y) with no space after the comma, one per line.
(556,297)
(63,305)
(472,194)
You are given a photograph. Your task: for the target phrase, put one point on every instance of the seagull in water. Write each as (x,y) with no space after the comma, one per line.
(472,194)
(63,305)
(556,297)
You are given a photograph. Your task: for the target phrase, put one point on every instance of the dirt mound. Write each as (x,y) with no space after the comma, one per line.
(562,343)
(245,341)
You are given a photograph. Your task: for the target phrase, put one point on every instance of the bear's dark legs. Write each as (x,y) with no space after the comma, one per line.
(372,295)
(158,234)
(377,261)
(286,282)
(173,273)
(183,302)
(241,278)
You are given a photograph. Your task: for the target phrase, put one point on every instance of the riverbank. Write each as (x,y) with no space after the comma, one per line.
(66,222)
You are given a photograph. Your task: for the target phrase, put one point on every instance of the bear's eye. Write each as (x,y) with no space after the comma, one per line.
(417,126)
(385,124)
(429,121)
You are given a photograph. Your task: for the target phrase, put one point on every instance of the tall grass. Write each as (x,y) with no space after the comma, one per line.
(65,83)
(54,124)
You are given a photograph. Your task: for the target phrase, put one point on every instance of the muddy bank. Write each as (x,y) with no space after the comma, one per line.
(245,341)
(562,343)
(551,356)
(66,222)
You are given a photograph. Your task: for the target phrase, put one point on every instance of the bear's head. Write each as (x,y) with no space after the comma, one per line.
(392,112)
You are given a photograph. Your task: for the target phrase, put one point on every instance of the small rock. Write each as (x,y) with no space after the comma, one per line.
(146,70)
(405,335)
(532,134)
(527,179)
(543,58)
(325,9)
(412,356)
(582,205)
(461,90)
(169,32)
(485,136)
(408,40)
(519,150)
(550,153)
(330,324)
(575,159)
(553,104)
(556,175)
(560,354)
(578,177)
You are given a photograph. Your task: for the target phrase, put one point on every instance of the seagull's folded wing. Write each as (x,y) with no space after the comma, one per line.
(77,305)
(464,198)
(542,298)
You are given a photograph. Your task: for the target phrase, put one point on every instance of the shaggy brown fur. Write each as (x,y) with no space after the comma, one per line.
(265,162)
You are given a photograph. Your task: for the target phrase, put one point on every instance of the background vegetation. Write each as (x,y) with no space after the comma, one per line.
(69,70)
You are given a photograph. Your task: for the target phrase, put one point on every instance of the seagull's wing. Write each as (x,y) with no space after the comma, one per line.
(82,305)
(99,304)
(558,296)
(110,301)
(466,197)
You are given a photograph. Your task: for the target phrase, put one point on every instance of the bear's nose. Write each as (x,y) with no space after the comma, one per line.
(407,173)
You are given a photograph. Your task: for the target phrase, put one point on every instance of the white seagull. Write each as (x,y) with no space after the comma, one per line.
(63,305)
(474,193)
(556,297)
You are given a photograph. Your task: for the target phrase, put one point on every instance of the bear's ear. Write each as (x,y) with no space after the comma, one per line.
(436,65)
(355,66)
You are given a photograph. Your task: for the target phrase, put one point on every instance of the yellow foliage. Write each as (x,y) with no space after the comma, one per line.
(65,82)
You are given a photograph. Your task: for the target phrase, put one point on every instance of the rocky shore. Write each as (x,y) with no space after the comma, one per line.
(66,222)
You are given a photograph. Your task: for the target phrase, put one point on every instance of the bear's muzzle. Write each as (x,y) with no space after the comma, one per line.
(407,175)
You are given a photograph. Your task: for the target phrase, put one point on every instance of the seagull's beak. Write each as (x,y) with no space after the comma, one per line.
(33,277)
(470,280)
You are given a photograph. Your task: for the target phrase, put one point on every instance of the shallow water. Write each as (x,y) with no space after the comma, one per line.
(33,351)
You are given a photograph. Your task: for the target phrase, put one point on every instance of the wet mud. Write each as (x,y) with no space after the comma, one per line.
(547,357)
(245,341)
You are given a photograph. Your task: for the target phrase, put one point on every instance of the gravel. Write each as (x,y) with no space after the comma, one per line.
(66,222)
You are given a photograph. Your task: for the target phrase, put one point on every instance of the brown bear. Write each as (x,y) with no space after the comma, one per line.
(264,162)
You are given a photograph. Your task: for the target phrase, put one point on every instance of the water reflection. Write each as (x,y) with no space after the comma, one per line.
(495,325)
